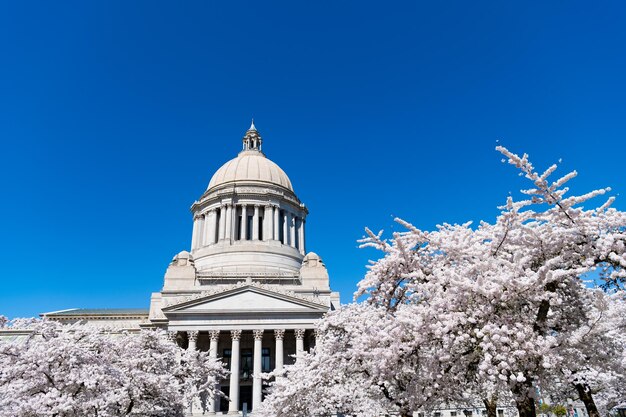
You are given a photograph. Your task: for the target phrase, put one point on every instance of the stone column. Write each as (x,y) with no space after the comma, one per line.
(292,230)
(233,406)
(244,222)
(296,228)
(210,230)
(267,223)
(193,339)
(299,341)
(255,223)
(317,334)
(222,225)
(235,223)
(173,336)
(194,233)
(276,222)
(194,405)
(257,382)
(205,229)
(214,337)
(279,334)
(301,236)
(200,235)
(216,227)
(229,222)
(285,230)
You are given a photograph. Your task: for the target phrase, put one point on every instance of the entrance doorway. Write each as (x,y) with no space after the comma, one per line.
(245,396)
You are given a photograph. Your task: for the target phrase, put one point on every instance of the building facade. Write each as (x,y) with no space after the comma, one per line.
(247,291)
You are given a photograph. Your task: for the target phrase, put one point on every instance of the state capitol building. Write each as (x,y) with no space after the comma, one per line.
(247,291)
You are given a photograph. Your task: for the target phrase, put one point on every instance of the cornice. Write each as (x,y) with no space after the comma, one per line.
(264,192)
(179,301)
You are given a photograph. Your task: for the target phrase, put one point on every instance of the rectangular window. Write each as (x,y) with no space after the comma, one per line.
(500,413)
(452,413)
(226,357)
(437,414)
(265,360)
(468,413)
(246,363)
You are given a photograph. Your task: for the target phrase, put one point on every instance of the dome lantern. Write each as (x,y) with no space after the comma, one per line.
(252,141)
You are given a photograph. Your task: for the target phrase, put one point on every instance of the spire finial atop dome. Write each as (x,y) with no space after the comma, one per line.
(252,140)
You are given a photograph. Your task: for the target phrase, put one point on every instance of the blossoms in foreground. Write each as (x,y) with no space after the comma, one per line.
(75,371)
(493,314)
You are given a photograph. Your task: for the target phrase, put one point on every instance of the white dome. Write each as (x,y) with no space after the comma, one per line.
(250,166)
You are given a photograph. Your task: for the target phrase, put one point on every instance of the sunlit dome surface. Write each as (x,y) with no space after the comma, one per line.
(250,166)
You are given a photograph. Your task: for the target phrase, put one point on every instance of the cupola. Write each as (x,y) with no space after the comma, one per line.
(252,141)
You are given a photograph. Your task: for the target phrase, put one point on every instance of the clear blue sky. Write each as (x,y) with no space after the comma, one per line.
(115,114)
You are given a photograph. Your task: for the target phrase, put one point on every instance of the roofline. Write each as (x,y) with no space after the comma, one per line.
(57,312)
(77,312)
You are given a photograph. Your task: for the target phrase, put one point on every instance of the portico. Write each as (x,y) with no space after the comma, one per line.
(246,353)
(253,327)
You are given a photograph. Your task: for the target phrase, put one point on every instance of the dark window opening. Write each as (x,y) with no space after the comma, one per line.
(226,357)
(249,228)
(265,360)
(217,229)
(246,364)
(281,228)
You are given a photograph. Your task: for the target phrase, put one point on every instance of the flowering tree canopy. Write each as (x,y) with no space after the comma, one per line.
(498,311)
(72,371)
(18,323)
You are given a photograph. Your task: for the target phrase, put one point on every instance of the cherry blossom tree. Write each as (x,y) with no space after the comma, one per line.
(71,371)
(524,271)
(495,312)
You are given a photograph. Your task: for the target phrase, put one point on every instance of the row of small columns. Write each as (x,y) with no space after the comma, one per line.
(257,383)
(209,227)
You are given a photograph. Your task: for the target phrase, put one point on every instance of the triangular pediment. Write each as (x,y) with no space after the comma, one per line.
(246,299)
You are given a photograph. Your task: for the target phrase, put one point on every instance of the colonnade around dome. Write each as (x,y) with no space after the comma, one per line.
(240,222)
